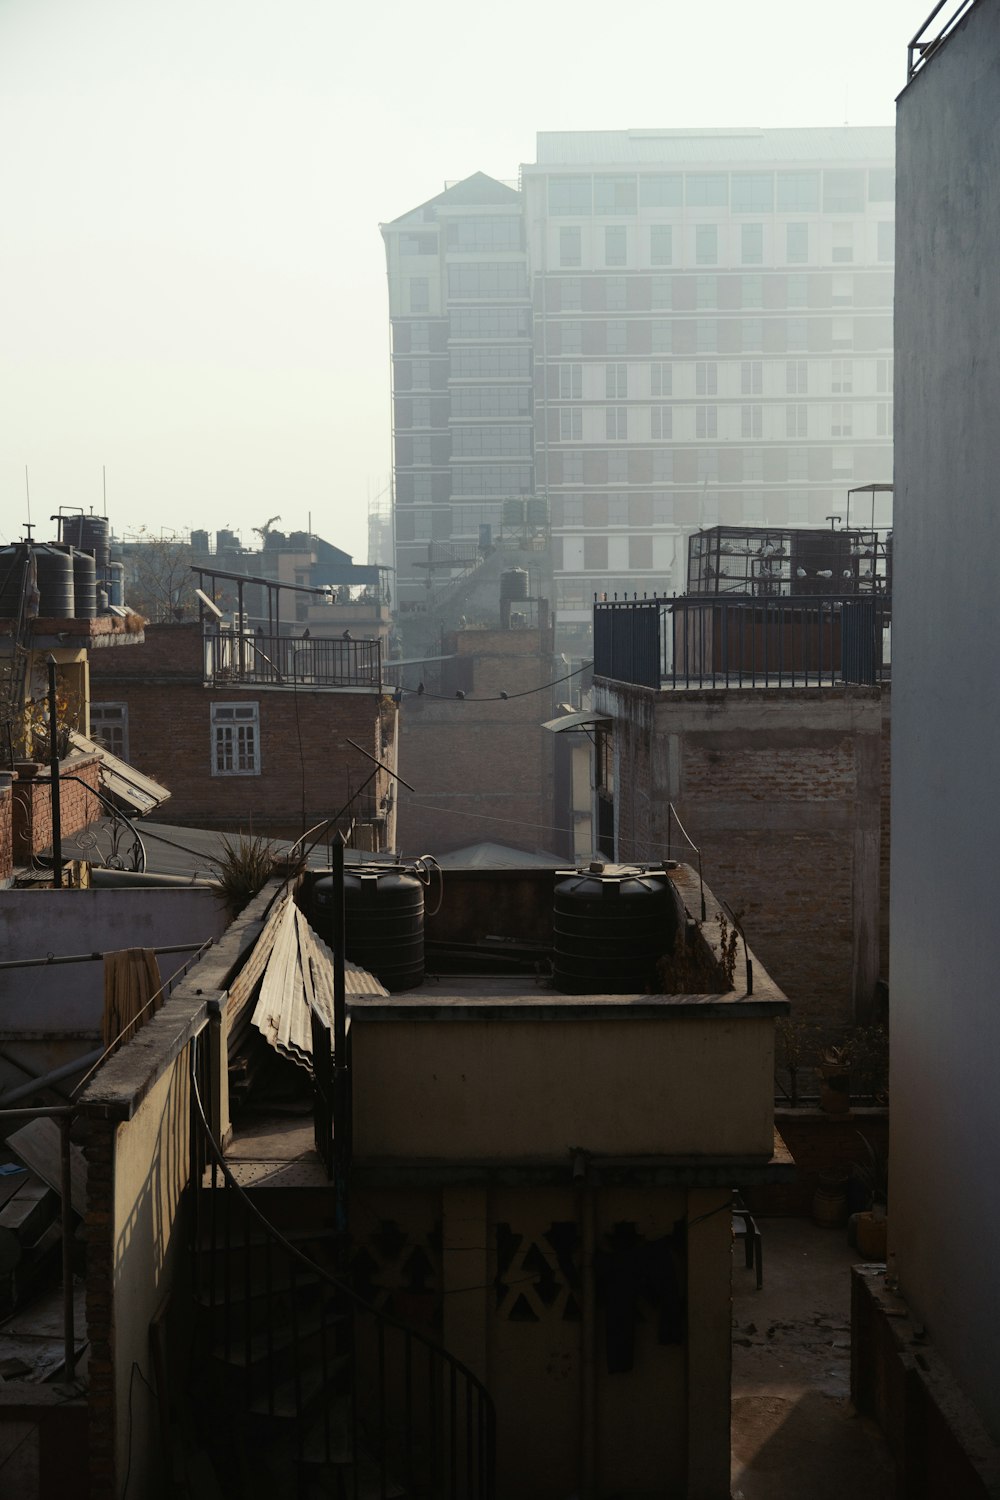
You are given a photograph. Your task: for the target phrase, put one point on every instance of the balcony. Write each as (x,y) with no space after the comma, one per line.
(250,659)
(744,643)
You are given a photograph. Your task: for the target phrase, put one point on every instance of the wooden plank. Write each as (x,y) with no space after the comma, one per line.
(37,1144)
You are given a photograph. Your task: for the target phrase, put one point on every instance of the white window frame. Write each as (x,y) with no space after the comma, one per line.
(616,423)
(245,756)
(110,717)
(616,381)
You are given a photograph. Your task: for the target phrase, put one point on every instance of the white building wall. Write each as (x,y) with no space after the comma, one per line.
(944,1211)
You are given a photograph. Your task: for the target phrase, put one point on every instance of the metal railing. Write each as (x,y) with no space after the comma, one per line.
(349,1386)
(738,643)
(290,661)
(922,47)
(629,639)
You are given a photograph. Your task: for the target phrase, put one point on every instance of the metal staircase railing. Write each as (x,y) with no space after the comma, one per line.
(306,1382)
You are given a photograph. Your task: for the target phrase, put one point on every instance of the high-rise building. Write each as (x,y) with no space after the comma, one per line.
(713,340)
(461,376)
(712,333)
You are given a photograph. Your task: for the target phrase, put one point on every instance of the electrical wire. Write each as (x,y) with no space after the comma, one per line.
(496,697)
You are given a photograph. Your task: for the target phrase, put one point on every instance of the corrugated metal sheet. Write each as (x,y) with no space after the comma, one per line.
(299,975)
(139,793)
(733,147)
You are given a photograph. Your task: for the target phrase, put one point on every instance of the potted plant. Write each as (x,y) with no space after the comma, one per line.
(835,1078)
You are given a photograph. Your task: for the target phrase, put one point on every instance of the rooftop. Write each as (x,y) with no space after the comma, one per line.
(585,148)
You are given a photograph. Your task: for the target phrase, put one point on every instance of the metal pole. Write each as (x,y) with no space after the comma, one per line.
(57,863)
(340,1127)
(69,1339)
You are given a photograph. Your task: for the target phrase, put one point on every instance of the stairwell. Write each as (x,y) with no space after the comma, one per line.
(300,1388)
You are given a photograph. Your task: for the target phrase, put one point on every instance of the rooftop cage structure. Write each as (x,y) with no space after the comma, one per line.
(760,562)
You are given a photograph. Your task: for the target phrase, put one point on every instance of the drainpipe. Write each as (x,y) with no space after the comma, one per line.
(46,1080)
(588,1330)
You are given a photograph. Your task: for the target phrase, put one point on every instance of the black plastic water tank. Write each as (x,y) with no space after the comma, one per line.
(611,924)
(514,584)
(95,537)
(84,583)
(12,561)
(384,915)
(55,582)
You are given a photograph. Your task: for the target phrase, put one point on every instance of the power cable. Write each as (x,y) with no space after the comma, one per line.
(421,692)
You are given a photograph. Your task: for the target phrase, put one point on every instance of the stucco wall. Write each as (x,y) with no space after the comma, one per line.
(530,1089)
(944,1219)
(506,1278)
(151,1169)
(50,1015)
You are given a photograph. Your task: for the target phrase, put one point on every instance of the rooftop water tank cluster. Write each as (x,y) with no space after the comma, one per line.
(75,576)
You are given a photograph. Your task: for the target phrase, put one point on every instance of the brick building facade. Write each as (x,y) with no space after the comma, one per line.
(482,767)
(785,791)
(30,805)
(273,758)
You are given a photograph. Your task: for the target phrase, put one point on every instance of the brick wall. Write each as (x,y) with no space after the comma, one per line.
(482,770)
(6,833)
(818,1142)
(306,766)
(32,805)
(785,793)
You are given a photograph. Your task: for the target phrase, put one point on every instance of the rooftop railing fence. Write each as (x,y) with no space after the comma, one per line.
(927,40)
(292,661)
(700,643)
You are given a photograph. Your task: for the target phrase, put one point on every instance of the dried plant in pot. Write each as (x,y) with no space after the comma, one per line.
(835,1079)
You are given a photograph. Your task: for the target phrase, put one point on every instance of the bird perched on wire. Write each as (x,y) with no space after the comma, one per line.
(420,689)
(346,636)
(504,695)
(459,693)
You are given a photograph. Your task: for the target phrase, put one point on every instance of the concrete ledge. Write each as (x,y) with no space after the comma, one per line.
(936,1437)
(555,1007)
(600,1172)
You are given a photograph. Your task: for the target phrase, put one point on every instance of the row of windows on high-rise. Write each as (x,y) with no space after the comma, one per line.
(745,378)
(733,291)
(676,336)
(620,424)
(678,292)
(778,462)
(472,232)
(835,190)
(640,381)
(617,245)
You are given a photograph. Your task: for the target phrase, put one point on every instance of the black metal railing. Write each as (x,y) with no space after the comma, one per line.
(692,642)
(344,1386)
(922,45)
(628,640)
(290,661)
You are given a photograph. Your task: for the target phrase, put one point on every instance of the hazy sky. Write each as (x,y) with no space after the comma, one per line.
(193,285)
